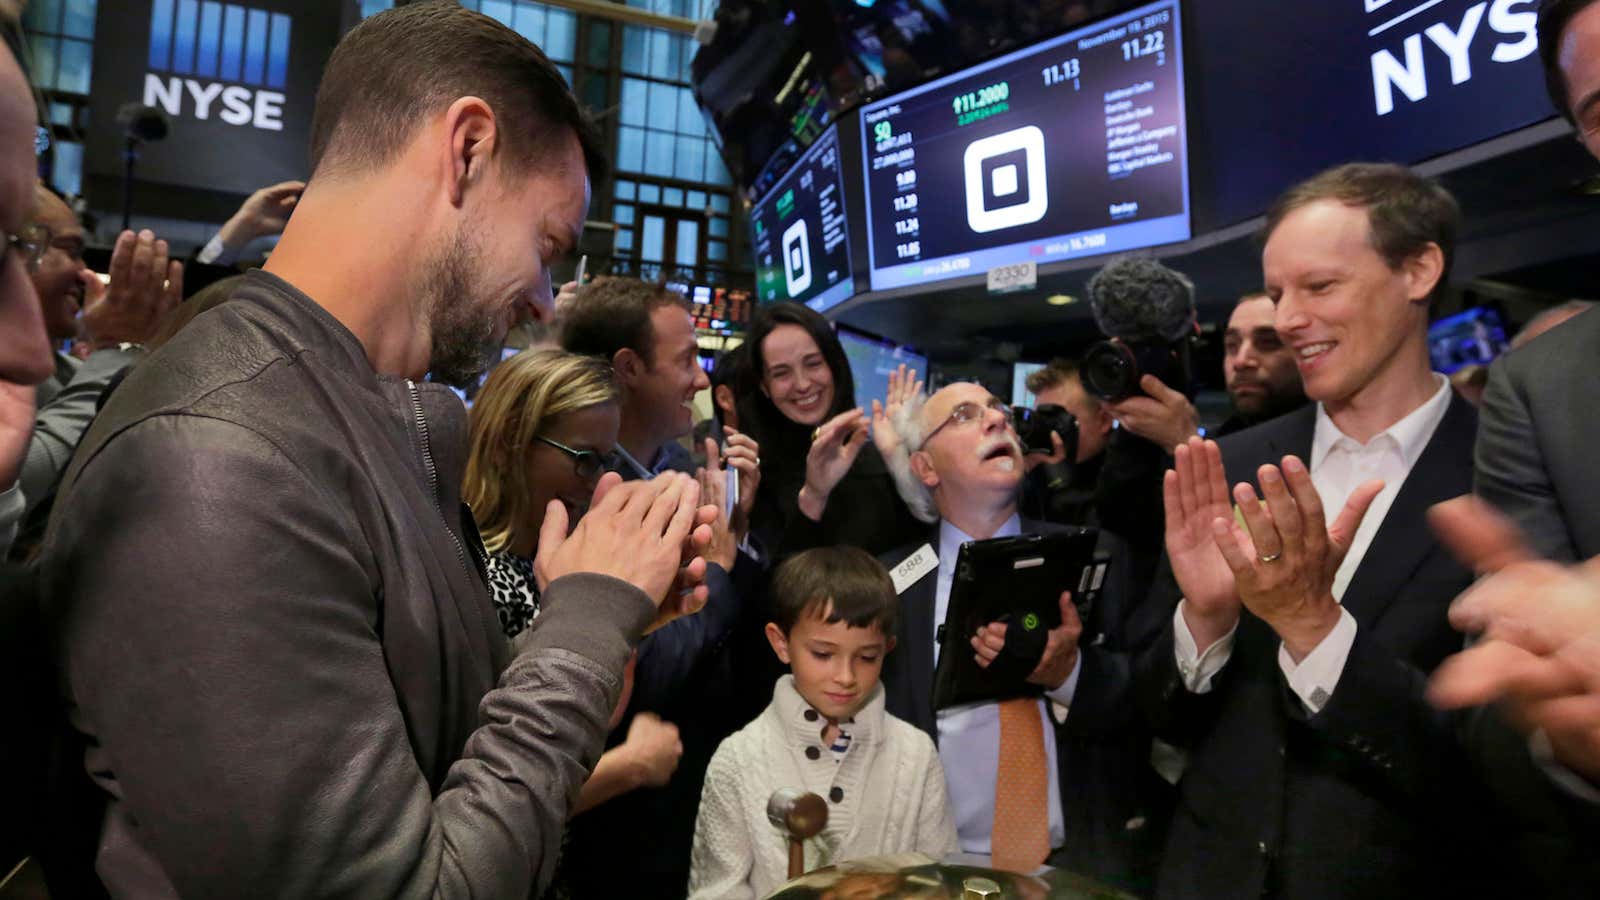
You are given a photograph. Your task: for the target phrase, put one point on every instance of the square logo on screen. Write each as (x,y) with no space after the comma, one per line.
(797,258)
(1005,180)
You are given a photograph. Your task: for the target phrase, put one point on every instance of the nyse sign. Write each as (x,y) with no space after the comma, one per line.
(1468,38)
(237,80)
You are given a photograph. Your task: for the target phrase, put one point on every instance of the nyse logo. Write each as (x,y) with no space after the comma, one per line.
(797,258)
(226,61)
(1508,25)
(1005,180)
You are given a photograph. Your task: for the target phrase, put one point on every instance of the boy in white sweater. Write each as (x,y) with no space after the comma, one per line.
(825,732)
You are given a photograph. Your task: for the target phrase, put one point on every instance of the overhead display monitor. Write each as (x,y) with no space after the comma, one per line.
(1071,147)
(799,235)
(872,358)
(1287,95)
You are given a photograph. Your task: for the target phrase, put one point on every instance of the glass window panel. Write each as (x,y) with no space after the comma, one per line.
(67,176)
(60,114)
(76,60)
(691,161)
(634,49)
(624,239)
(663,62)
(652,238)
(78,19)
(696,200)
(502,11)
(658,154)
(634,101)
(624,190)
(45,51)
(622,214)
(688,248)
(718,227)
(630,149)
(719,202)
(649,193)
(561,35)
(663,106)
(368,7)
(529,22)
(716,251)
(43,15)
(566,73)
(716,172)
(689,119)
(599,49)
(671,196)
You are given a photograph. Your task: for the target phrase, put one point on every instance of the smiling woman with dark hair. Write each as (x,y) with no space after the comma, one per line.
(822,480)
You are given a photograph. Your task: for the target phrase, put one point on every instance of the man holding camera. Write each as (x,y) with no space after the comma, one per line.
(1293,668)
(1029,782)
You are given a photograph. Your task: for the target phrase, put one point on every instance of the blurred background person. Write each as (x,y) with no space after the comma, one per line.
(824,481)
(1258,366)
(1548,319)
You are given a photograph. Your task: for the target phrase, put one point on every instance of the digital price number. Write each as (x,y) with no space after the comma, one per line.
(1062,72)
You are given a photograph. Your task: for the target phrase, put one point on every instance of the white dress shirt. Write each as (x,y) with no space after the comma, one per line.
(969,736)
(1339,464)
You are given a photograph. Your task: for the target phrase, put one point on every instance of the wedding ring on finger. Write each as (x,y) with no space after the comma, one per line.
(1270,557)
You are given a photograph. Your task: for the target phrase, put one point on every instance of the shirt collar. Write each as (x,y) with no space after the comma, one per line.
(951,538)
(1412,433)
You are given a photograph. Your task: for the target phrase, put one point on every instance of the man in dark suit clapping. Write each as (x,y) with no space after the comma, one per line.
(1293,668)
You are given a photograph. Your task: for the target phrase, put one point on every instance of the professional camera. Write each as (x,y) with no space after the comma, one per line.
(1034,427)
(1147,311)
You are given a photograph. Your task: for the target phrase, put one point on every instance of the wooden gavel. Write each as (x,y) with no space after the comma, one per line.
(801,816)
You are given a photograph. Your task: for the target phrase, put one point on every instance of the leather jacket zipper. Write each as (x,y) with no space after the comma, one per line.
(433,473)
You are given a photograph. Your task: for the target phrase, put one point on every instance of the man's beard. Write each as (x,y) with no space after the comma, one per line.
(463,324)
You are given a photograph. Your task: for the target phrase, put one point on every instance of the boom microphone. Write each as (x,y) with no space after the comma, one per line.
(1139,300)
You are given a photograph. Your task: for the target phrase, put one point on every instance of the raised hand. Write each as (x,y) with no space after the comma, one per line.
(264,212)
(834,448)
(1285,564)
(145,287)
(1195,494)
(1160,415)
(16,428)
(724,547)
(744,455)
(903,385)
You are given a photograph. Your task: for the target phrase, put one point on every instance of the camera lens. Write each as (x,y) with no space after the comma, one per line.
(1110,372)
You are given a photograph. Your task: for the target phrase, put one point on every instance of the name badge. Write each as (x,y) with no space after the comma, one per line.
(912,568)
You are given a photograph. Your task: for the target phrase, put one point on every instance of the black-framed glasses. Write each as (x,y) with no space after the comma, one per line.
(588,464)
(32,242)
(968,411)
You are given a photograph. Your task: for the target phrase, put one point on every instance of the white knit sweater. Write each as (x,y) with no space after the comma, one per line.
(886,796)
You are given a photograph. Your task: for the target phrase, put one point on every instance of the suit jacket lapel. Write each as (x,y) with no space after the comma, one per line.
(1403,541)
(917,633)
(1294,439)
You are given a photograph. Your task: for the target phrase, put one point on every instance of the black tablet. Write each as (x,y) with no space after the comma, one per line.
(1017,580)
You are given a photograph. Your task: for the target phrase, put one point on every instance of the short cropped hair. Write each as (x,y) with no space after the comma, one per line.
(610,314)
(1405,212)
(402,65)
(1554,16)
(1057,373)
(846,583)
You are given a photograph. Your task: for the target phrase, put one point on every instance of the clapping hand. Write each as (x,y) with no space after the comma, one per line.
(903,385)
(1538,652)
(834,448)
(1284,565)
(1195,494)
(145,287)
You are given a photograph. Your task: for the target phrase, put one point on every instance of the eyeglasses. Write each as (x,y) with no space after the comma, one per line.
(588,464)
(33,242)
(969,411)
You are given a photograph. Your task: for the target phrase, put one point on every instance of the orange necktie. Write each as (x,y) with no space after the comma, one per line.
(1021,835)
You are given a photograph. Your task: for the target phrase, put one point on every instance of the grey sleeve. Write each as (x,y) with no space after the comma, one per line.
(10,515)
(224,657)
(1510,468)
(60,424)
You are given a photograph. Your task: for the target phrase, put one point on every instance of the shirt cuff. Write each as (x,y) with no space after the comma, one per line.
(216,253)
(1063,694)
(1316,677)
(1199,668)
(1567,780)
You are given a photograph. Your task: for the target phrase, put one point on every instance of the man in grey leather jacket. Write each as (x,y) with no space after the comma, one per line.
(275,635)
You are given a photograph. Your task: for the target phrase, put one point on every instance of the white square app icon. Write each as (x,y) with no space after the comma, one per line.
(797,258)
(998,195)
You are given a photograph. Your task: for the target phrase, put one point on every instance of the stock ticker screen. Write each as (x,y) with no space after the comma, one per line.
(1072,147)
(799,235)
